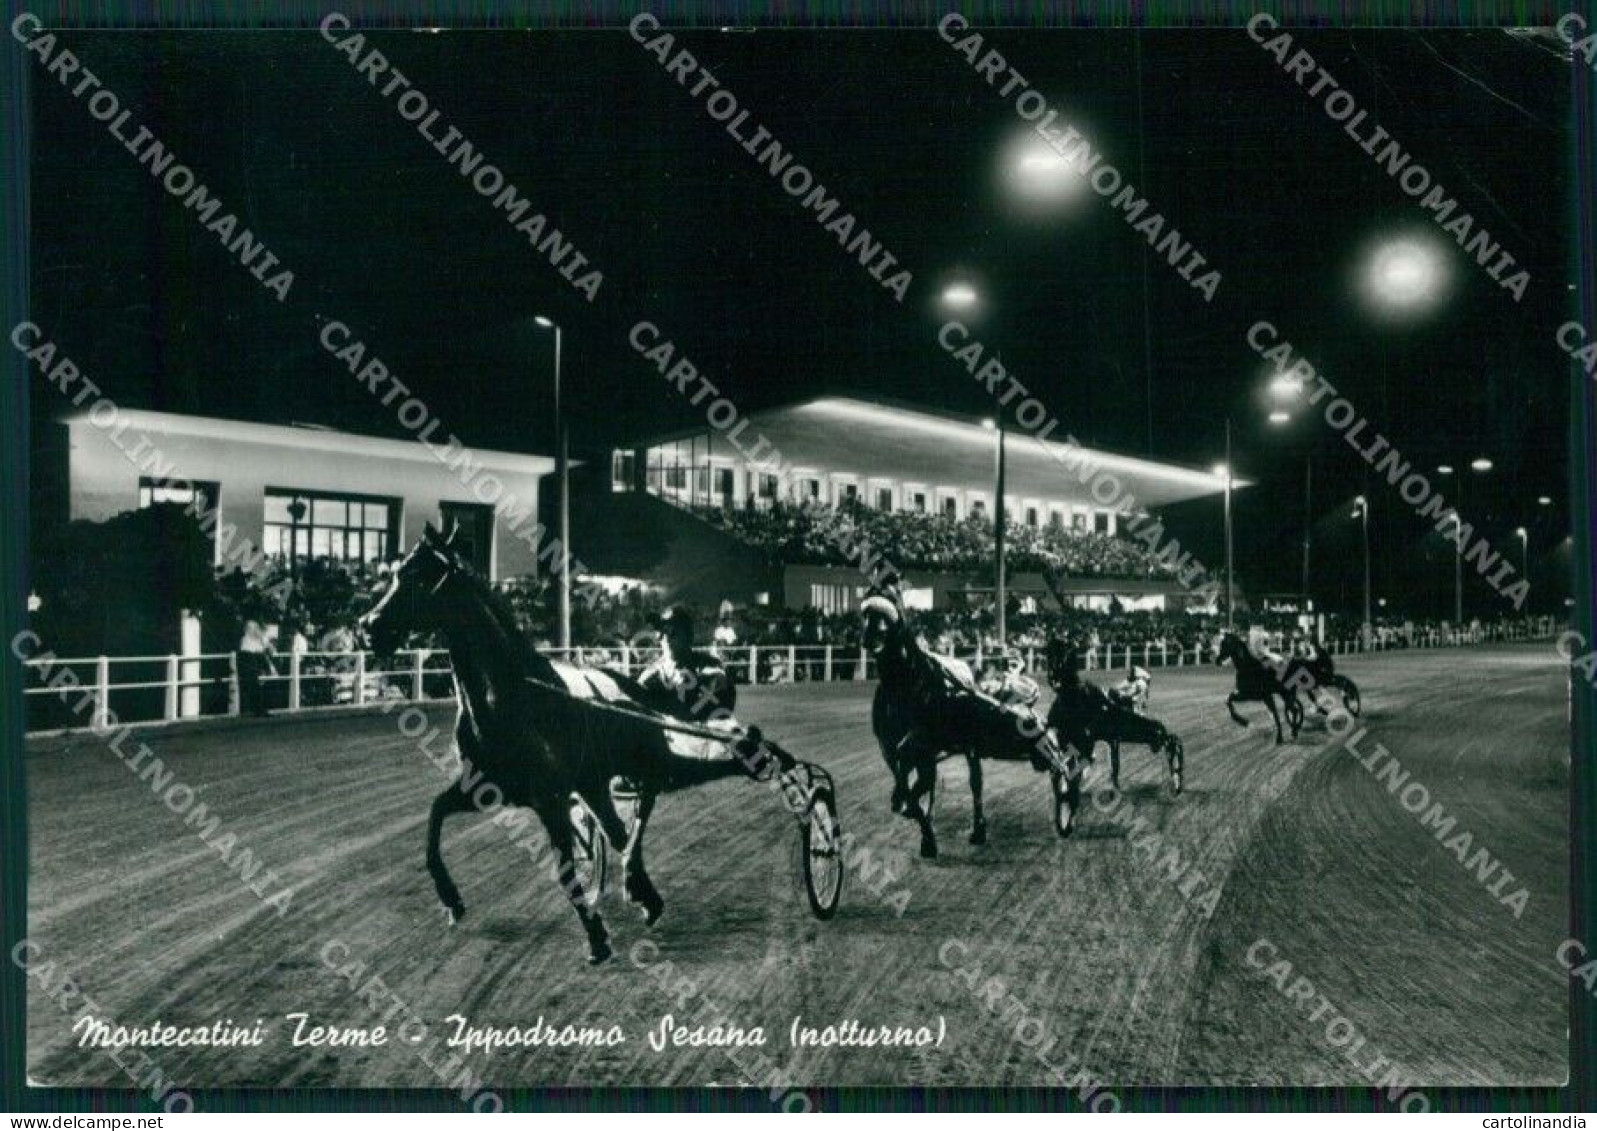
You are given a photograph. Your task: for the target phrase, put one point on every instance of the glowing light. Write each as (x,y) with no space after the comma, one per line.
(1405,276)
(1280,416)
(1444,469)
(1285,385)
(959,295)
(990,424)
(1220,471)
(1043,177)
(1544,501)
(546,323)
(1481,464)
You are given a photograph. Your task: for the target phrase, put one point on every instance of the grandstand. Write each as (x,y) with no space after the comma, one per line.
(702,515)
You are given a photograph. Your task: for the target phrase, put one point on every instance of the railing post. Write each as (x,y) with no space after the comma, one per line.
(626,660)
(861,672)
(826,666)
(1164,654)
(419,664)
(232,683)
(978,655)
(293,681)
(1145,654)
(360,679)
(170,713)
(754,664)
(792,664)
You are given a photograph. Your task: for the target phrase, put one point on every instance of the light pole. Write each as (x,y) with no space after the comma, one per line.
(999,535)
(563,489)
(1480,465)
(1224,469)
(1364,514)
(1524,552)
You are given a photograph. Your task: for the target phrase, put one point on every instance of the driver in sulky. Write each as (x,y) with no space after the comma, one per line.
(692,684)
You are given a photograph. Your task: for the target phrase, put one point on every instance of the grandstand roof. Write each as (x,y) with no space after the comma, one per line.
(873,437)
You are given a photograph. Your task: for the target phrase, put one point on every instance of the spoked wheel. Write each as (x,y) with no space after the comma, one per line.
(821,842)
(1350,695)
(590,852)
(1294,715)
(1176,755)
(1067,801)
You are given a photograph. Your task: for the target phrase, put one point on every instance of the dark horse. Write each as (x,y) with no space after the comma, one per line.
(928,708)
(1083,714)
(520,728)
(1257,683)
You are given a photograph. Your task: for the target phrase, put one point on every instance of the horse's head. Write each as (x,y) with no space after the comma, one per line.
(1230,648)
(881,615)
(410,603)
(1060,659)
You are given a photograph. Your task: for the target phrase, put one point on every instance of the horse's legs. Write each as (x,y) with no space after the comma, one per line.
(1231,705)
(560,837)
(1269,703)
(978,824)
(636,883)
(1114,762)
(924,785)
(452,800)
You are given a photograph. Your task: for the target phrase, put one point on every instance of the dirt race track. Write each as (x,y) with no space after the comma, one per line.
(1301,845)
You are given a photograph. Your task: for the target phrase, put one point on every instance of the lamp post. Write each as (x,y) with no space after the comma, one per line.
(1364,514)
(1480,465)
(1524,551)
(1224,470)
(1000,578)
(563,489)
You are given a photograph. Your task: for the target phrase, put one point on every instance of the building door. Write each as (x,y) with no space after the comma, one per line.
(474,538)
(725,478)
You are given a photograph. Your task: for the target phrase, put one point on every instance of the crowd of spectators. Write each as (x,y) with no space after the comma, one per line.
(912,540)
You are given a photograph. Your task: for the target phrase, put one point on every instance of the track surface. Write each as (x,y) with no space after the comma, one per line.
(1127,976)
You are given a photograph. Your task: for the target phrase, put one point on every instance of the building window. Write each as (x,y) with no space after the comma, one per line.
(621,471)
(200,497)
(850,493)
(951,507)
(319,524)
(978,506)
(1056,520)
(1081,520)
(1031,517)
(884,498)
(918,502)
(811,489)
(1100,522)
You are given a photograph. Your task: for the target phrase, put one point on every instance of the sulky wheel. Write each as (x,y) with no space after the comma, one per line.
(821,845)
(590,853)
(1067,802)
(1294,714)
(1176,755)
(1350,695)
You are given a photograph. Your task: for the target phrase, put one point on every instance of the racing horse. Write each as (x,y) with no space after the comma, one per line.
(928,708)
(523,728)
(1084,714)
(1318,678)
(1257,683)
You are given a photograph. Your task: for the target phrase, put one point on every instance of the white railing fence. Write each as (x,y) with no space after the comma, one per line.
(73,694)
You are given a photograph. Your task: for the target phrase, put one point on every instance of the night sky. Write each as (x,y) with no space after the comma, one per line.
(691,233)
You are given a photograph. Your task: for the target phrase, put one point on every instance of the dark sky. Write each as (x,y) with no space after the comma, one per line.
(692,234)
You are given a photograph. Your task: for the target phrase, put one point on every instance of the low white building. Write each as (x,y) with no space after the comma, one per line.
(326,493)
